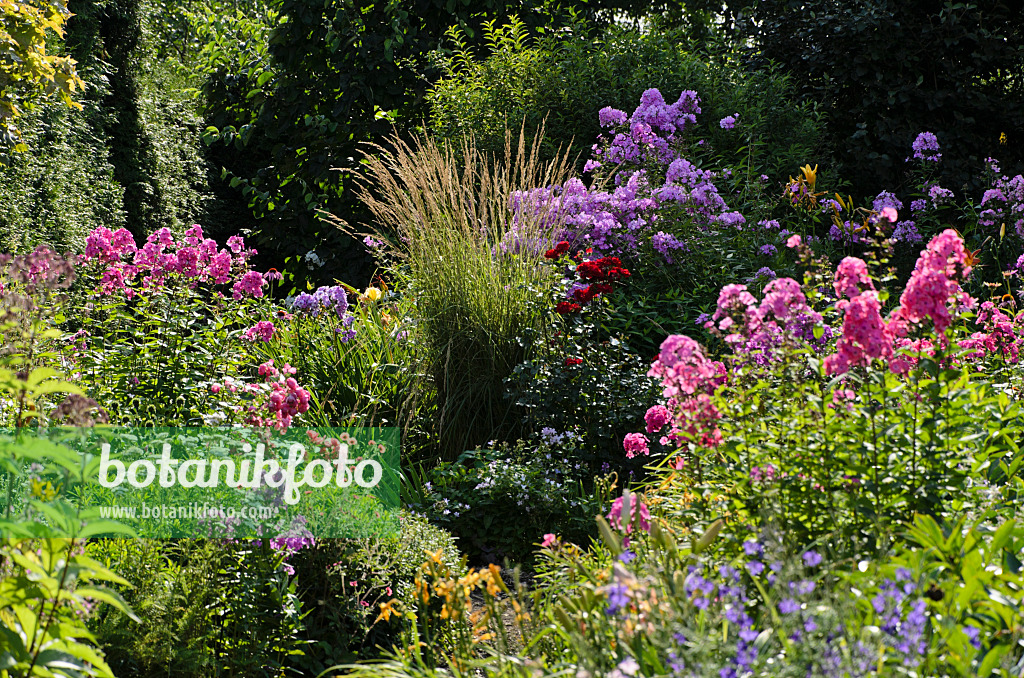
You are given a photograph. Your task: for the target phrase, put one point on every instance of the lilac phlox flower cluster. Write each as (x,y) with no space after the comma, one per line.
(926,147)
(729,121)
(768,250)
(666,244)
(618,598)
(293,540)
(763,273)
(906,231)
(616,222)
(919,205)
(847,233)
(610,222)
(886,199)
(769,224)
(1004,202)
(333,298)
(668,119)
(692,187)
(939,195)
(328,298)
(346,330)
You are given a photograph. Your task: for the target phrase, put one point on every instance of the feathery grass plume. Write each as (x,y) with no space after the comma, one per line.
(470,251)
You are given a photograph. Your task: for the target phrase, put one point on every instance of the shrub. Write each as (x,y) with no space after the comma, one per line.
(543,485)
(563,79)
(343,582)
(207,607)
(884,72)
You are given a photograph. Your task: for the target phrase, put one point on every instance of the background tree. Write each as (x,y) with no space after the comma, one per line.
(885,70)
(27,71)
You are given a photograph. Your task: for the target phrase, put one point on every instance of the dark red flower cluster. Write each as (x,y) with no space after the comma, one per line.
(586,294)
(560,249)
(566,307)
(569,362)
(601,270)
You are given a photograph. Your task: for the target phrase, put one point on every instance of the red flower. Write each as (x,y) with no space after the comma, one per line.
(559,249)
(590,270)
(565,307)
(569,362)
(605,268)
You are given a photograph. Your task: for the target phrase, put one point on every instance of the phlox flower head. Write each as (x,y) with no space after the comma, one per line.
(729,121)
(638,513)
(935,281)
(852,278)
(656,418)
(926,147)
(634,444)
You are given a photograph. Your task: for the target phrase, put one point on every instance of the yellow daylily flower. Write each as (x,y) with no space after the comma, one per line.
(810,175)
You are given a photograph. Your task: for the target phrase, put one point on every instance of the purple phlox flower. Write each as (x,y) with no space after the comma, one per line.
(811,559)
(926,147)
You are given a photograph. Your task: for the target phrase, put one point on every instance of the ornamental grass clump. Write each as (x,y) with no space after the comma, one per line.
(472,266)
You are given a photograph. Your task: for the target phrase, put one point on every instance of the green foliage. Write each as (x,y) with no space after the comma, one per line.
(343,582)
(26,70)
(543,485)
(63,188)
(207,608)
(600,399)
(366,380)
(564,79)
(154,358)
(47,585)
(46,588)
(885,71)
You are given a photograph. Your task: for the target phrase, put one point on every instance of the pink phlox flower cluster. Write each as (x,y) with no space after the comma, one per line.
(263,330)
(852,278)
(634,444)
(108,246)
(999,336)
(736,314)
(696,420)
(196,259)
(843,397)
(683,368)
(762,474)
(865,335)
(756,330)
(934,282)
(275,402)
(656,418)
(909,353)
(687,378)
(636,507)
